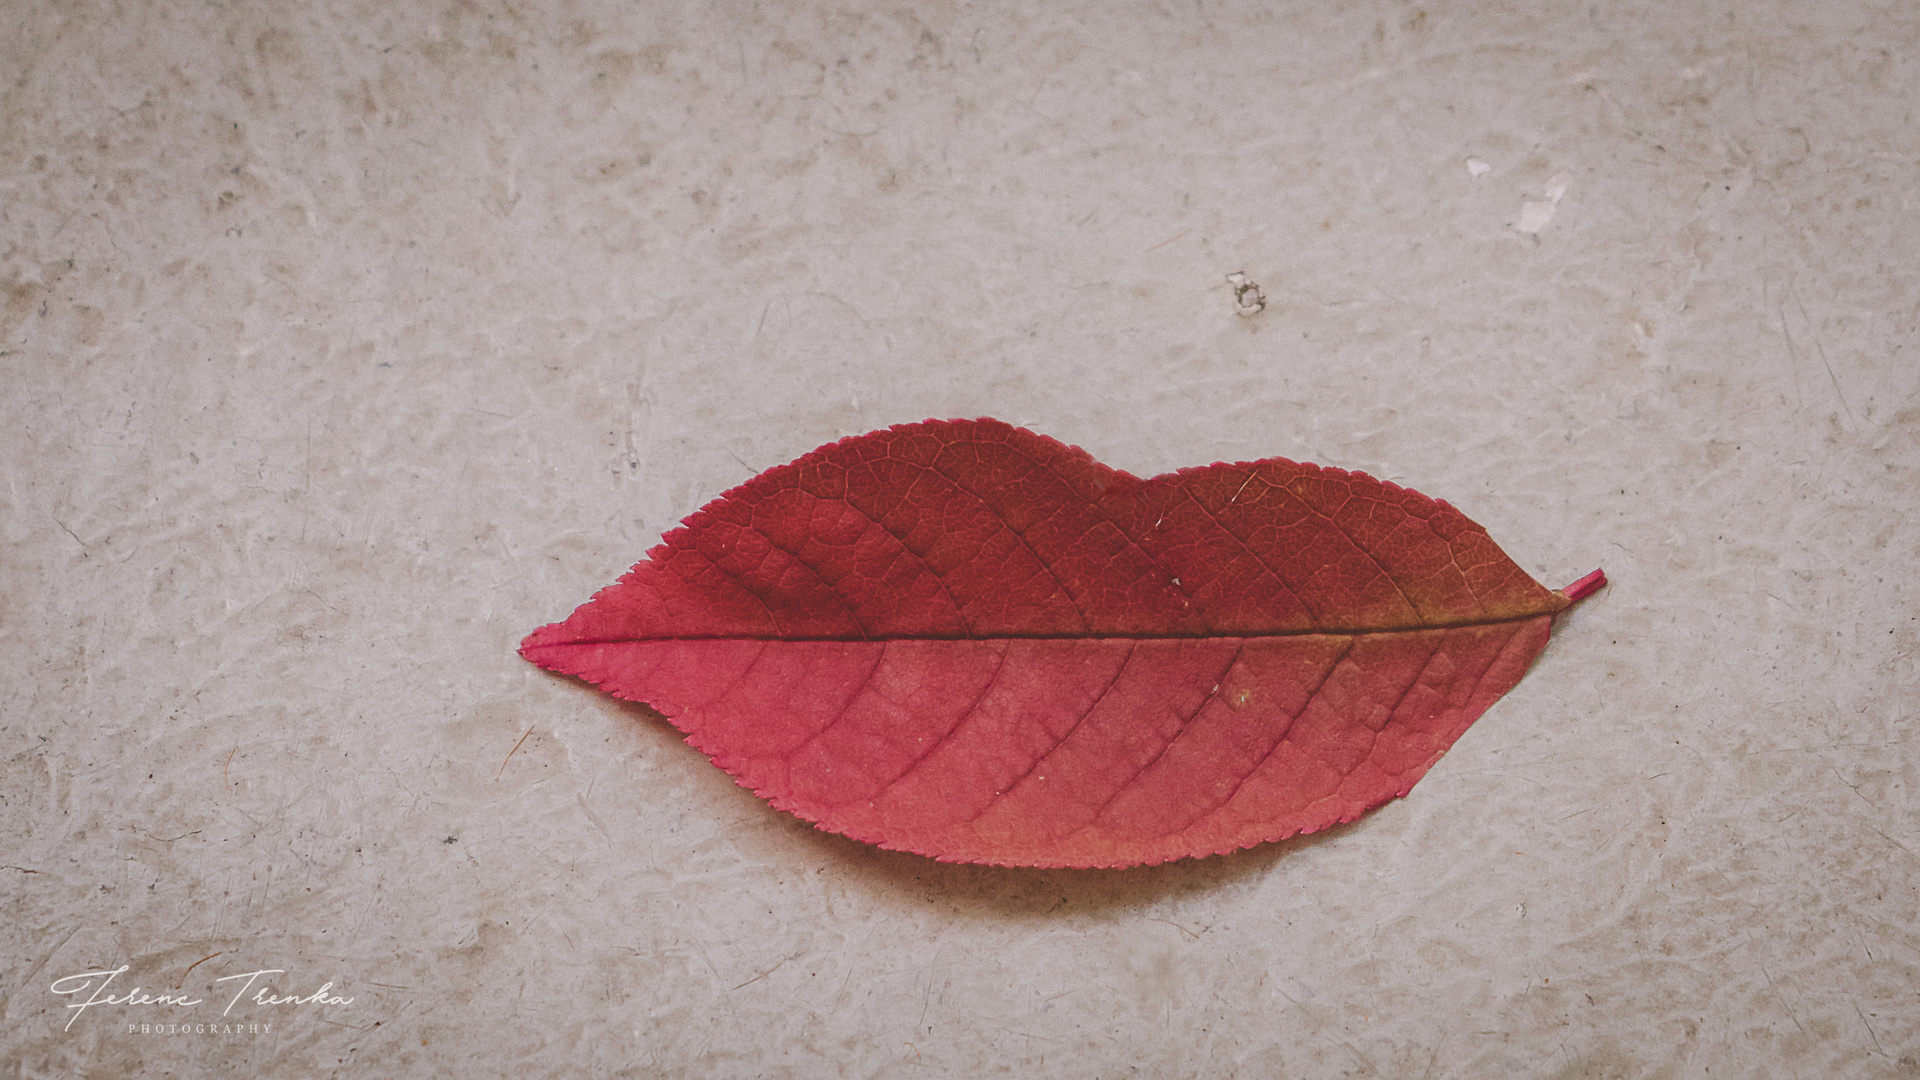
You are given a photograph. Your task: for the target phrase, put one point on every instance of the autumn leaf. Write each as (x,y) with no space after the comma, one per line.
(966,640)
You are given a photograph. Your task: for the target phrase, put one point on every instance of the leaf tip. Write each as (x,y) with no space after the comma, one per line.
(1585,587)
(536,647)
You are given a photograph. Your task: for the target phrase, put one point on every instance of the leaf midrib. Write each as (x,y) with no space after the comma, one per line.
(1458,624)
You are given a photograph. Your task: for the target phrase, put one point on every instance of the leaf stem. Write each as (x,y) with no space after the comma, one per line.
(1585,587)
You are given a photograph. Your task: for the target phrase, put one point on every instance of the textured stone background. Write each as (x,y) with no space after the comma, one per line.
(341,344)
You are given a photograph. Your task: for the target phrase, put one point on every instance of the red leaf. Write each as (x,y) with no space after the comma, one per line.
(969,641)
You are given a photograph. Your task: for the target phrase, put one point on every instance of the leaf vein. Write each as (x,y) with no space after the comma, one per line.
(1228,798)
(992,680)
(1186,723)
(1062,740)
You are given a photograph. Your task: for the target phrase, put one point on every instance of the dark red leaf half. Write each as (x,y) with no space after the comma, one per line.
(966,640)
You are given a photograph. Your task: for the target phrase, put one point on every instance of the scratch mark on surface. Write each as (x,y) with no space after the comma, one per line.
(1870,1032)
(1821,350)
(1794,1016)
(1176,926)
(1168,240)
(595,818)
(926,1003)
(70,532)
(1793,354)
(1891,840)
(766,973)
(510,753)
(34,971)
(195,964)
(1320,1029)
(169,840)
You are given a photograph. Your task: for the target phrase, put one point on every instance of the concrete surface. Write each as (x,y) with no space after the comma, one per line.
(344,343)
